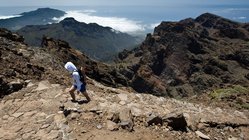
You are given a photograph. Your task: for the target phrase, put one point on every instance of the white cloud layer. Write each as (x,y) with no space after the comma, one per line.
(231,10)
(241,17)
(117,23)
(152,26)
(6,17)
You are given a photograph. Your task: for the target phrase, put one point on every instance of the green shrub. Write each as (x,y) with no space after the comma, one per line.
(245,106)
(227,92)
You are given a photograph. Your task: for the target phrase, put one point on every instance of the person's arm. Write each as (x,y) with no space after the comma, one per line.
(83,73)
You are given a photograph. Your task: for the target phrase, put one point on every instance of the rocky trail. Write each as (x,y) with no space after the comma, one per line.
(45,111)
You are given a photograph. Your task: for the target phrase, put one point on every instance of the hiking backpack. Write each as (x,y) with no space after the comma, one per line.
(82,75)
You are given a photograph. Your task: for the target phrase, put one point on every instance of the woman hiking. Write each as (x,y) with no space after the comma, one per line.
(79,83)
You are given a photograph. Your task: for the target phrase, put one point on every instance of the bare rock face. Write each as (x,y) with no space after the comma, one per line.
(189,57)
(16,67)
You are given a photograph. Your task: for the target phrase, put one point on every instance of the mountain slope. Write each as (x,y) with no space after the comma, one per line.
(35,104)
(96,41)
(189,57)
(40,16)
(20,62)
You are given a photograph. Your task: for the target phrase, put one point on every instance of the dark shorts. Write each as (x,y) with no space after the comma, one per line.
(82,88)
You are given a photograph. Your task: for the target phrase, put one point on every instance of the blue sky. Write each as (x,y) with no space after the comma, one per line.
(121,2)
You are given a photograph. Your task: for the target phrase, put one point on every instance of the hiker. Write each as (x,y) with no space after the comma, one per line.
(79,81)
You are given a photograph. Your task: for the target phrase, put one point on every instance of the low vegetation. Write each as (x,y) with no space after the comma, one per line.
(236,95)
(228,92)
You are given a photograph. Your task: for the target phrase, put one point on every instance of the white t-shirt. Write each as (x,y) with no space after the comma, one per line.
(77,81)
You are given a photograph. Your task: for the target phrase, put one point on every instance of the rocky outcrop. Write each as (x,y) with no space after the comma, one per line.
(189,57)
(9,35)
(16,66)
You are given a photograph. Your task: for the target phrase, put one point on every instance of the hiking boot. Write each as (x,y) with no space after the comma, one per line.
(61,107)
(74,101)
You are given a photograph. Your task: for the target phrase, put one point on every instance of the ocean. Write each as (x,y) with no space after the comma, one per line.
(138,18)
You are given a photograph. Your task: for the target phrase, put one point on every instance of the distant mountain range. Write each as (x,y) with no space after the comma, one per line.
(98,42)
(40,16)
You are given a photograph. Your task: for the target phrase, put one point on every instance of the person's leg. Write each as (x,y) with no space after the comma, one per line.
(86,95)
(71,91)
(83,91)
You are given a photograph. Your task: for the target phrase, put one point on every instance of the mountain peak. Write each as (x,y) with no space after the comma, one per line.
(215,21)
(68,20)
(207,16)
(40,16)
(44,11)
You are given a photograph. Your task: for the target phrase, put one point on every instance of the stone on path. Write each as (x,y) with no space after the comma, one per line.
(112,126)
(17,115)
(201,135)
(126,120)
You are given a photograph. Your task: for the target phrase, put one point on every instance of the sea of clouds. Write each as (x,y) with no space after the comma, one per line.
(133,26)
(117,23)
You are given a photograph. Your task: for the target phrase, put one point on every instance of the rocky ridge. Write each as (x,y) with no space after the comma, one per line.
(189,57)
